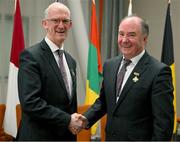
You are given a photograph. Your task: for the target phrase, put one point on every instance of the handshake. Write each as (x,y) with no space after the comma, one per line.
(77,123)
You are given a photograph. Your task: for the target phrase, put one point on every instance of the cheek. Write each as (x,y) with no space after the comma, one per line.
(119,41)
(50,29)
(66,29)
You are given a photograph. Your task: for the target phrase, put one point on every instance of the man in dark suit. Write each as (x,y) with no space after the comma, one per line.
(48,94)
(141,108)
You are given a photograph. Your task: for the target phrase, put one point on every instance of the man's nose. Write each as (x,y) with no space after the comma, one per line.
(125,38)
(61,23)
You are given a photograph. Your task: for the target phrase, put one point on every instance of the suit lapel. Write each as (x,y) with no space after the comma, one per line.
(73,74)
(139,69)
(52,62)
(112,79)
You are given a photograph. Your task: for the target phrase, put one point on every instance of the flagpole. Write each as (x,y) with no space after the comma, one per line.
(14,6)
(130,7)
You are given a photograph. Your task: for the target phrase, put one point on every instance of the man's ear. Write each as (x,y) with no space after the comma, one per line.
(145,39)
(70,25)
(44,24)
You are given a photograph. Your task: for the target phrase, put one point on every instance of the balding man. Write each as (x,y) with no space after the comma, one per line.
(137,90)
(47,83)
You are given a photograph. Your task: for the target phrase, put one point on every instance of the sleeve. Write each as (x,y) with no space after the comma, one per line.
(162,105)
(98,109)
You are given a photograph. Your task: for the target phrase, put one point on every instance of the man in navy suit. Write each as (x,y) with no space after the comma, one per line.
(47,100)
(142,109)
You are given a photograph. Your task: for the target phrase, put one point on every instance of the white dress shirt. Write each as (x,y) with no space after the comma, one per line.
(54,49)
(129,69)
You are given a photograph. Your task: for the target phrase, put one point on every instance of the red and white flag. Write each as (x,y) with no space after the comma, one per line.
(10,123)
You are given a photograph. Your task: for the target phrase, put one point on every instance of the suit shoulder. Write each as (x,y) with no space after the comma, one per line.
(32,54)
(36,49)
(157,65)
(32,49)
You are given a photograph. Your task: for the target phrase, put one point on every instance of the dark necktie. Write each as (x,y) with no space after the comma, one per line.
(63,71)
(120,76)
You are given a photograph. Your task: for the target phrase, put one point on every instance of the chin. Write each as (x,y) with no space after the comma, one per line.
(126,54)
(61,39)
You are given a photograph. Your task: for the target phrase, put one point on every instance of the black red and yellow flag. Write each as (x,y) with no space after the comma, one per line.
(167,56)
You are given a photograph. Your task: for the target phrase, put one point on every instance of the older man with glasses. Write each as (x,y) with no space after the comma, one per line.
(47,83)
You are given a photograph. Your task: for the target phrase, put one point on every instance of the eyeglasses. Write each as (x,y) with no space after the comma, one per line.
(56,21)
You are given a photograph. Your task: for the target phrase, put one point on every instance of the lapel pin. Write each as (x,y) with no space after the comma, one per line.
(135,79)
(136,73)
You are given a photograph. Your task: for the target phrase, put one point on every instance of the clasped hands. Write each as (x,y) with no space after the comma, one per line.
(77,123)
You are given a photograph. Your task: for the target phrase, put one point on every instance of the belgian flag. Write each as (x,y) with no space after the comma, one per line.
(168,56)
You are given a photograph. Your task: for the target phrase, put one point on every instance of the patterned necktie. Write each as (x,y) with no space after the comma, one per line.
(63,71)
(120,76)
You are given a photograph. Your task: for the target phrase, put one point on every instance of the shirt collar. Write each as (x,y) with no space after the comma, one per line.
(53,46)
(136,59)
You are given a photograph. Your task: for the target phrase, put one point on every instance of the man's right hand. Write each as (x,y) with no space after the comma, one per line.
(77,123)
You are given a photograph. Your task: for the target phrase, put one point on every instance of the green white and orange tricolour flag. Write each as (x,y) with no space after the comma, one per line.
(94,68)
(168,56)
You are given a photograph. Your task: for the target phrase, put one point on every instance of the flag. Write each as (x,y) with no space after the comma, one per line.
(94,67)
(130,8)
(10,124)
(168,55)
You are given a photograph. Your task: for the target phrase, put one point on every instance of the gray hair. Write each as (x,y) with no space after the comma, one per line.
(57,4)
(144,24)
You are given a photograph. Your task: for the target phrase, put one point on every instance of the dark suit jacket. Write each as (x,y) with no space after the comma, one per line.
(145,108)
(46,107)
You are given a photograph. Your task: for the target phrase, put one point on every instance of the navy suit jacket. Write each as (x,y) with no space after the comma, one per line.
(144,110)
(46,108)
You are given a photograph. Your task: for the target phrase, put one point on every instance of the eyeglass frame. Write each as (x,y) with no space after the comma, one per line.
(57,21)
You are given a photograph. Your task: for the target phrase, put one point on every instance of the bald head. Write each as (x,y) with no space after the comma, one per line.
(57,22)
(136,19)
(56,6)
